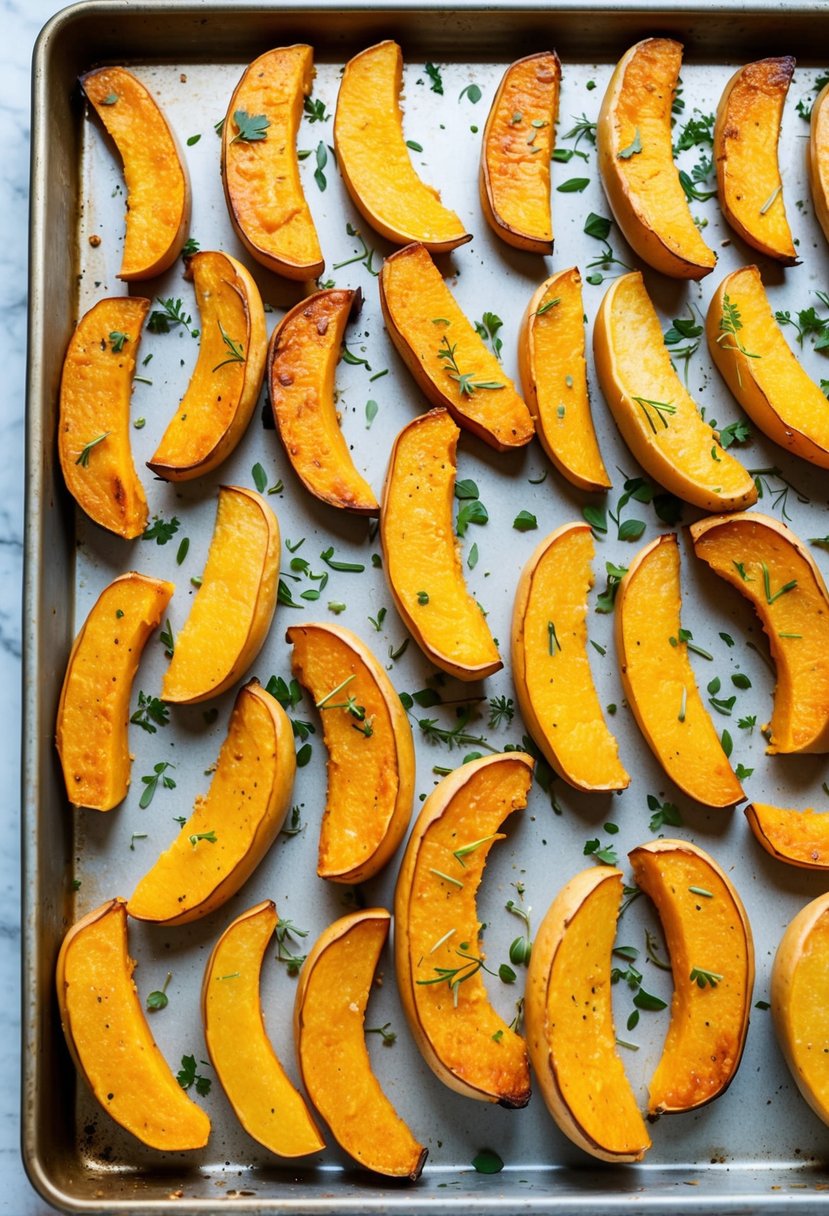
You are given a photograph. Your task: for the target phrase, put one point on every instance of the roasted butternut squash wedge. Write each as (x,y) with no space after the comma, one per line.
(712,960)
(94,706)
(746,134)
(109,1039)
(774,570)
(214,412)
(94,419)
(329,1016)
(421,561)
(658,420)
(757,364)
(550,668)
(659,682)
(569,1017)
(374,158)
(819,158)
(257,1087)
(554,380)
(158,186)
(516,151)
(234,606)
(302,356)
(800,1002)
(635,152)
(260,169)
(234,826)
(437,949)
(800,838)
(447,358)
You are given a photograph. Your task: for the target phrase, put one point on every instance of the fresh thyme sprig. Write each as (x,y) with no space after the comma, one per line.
(730,326)
(466,382)
(236,350)
(83,455)
(287,931)
(664,410)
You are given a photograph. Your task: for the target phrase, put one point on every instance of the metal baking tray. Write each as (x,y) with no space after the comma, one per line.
(759,1144)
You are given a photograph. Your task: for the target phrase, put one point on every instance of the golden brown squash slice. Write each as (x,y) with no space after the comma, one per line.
(774,570)
(374,159)
(819,158)
(800,838)
(233,609)
(800,1002)
(216,408)
(257,1087)
(260,169)
(436,931)
(712,960)
(94,708)
(554,380)
(516,150)
(569,1017)
(329,1016)
(421,560)
(234,825)
(158,187)
(550,668)
(659,681)
(658,420)
(636,162)
(447,358)
(109,1039)
(746,135)
(94,419)
(302,356)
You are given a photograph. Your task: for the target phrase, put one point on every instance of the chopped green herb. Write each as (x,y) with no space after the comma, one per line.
(663,813)
(574,185)
(525,521)
(633,148)
(702,977)
(472,92)
(250,128)
(161,530)
(159,773)
(150,714)
(187,1076)
(83,456)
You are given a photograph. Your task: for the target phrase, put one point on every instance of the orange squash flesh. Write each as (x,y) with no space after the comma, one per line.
(110,1041)
(800,1002)
(800,838)
(94,420)
(551,671)
(265,200)
(554,380)
(94,708)
(158,187)
(516,151)
(796,622)
(216,408)
(329,1017)
(819,158)
(421,553)
(436,924)
(234,826)
(708,1027)
(266,1103)
(746,135)
(659,681)
(374,159)
(414,297)
(302,357)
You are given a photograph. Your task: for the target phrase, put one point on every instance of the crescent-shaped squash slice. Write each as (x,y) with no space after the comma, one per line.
(800,838)
(234,606)
(712,960)
(554,380)
(302,356)
(234,826)
(216,408)
(421,560)
(437,949)
(760,369)
(774,570)
(659,681)
(158,187)
(94,708)
(569,1017)
(447,358)
(94,418)
(109,1039)
(329,1016)
(550,668)
(516,150)
(819,158)
(260,169)
(800,1002)
(374,158)
(746,134)
(257,1087)
(658,420)
(636,163)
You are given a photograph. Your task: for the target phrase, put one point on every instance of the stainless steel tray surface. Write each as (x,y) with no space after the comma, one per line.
(758,1144)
